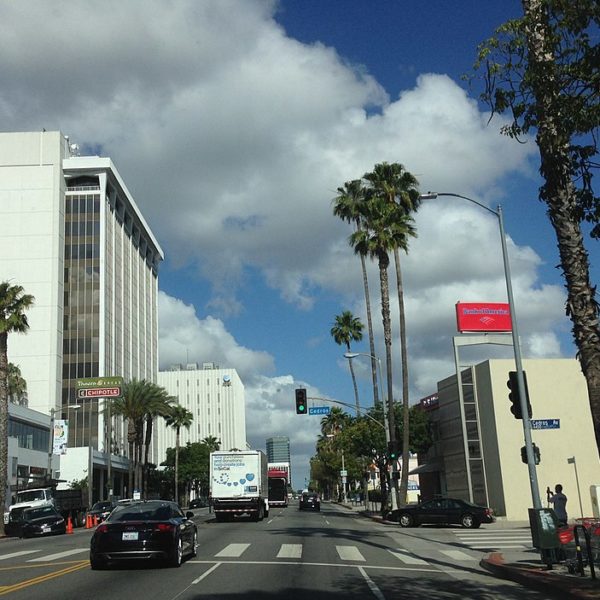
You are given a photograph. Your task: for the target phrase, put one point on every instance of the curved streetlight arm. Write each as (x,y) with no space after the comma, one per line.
(535,493)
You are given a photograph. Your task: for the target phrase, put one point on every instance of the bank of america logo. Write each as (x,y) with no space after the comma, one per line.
(487,320)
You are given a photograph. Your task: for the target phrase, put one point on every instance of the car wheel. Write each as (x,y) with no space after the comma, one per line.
(97,564)
(406,520)
(194,551)
(468,521)
(177,556)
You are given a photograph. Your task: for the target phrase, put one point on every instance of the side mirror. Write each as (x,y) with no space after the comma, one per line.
(189,514)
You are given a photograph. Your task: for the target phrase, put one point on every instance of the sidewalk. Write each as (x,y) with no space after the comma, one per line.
(522,566)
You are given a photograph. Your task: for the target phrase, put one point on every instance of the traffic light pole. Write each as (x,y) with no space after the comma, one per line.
(533,482)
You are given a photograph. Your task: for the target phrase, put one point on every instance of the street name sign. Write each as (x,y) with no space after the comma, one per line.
(319,410)
(545,423)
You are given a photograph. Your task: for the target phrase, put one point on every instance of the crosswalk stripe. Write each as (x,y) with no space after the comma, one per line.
(349,553)
(233,550)
(406,557)
(290,551)
(15,554)
(483,546)
(457,555)
(59,555)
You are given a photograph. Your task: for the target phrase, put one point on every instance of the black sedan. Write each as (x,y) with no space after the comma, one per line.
(101,510)
(144,530)
(35,521)
(198,503)
(309,501)
(439,511)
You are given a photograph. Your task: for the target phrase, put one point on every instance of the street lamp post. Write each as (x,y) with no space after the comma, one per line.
(533,482)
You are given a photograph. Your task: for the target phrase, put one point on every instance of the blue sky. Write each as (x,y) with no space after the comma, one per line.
(233,122)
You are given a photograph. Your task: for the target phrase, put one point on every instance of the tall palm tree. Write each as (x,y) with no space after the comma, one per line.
(387,227)
(393,184)
(347,206)
(17,385)
(13,305)
(178,417)
(346,329)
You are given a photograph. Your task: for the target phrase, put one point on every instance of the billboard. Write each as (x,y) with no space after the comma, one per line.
(483,316)
(60,436)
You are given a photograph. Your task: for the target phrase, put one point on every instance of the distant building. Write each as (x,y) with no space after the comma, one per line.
(73,237)
(216,399)
(278,449)
(477,446)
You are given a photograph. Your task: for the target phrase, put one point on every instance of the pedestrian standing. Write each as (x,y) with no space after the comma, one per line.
(559,503)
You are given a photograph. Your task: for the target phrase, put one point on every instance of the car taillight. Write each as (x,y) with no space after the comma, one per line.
(102,529)
(164,527)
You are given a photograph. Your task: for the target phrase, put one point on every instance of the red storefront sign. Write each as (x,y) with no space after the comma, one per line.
(483,316)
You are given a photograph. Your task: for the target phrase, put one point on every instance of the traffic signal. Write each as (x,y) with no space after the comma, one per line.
(300,401)
(536,454)
(393,450)
(514,397)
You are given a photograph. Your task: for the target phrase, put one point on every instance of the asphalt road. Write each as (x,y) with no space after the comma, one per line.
(291,555)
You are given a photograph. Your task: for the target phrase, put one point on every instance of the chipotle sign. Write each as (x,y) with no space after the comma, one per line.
(482,316)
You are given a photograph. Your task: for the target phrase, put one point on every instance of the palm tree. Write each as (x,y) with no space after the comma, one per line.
(393,184)
(346,329)
(387,227)
(347,207)
(13,304)
(138,398)
(212,443)
(17,386)
(177,418)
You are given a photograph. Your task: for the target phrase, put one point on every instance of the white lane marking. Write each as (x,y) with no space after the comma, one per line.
(485,546)
(376,591)
(457,555)
(290,551)
(206,574)
(349,553)
(233,550)
(14,554)
(59,555)
(310,564)
(406,557)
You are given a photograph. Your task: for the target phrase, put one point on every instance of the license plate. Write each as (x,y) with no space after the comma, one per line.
(130,535)
(45,528)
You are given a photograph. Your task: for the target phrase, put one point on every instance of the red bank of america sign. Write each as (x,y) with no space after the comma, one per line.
(482,316)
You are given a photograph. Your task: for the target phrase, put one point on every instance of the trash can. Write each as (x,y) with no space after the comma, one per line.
(544,534)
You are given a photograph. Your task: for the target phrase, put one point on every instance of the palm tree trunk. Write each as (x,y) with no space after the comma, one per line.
(405,399)
(559,194)
(354,384)
(363,265)
(384,262)
(147,440)
(3,424)
(177,465)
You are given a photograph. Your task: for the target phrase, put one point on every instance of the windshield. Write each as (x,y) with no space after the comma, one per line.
(26,514)
(102,506)
(31,496)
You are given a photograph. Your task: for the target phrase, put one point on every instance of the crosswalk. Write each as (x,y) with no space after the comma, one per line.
(475,542)
(501,539)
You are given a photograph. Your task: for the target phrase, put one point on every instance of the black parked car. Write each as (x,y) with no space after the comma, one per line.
(144,530)
(35,521)
(309,501)
(198,503)
(443,511)
(102,510)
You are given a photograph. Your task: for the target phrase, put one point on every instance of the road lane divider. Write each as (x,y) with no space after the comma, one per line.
(42,578)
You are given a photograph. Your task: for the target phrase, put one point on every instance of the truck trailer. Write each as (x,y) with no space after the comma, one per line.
(278,486)
(239,484)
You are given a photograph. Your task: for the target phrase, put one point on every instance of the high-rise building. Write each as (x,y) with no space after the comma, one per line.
(278,449)
(72,235)
(214,396)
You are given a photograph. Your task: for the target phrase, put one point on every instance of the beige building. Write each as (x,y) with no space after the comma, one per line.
(484,435)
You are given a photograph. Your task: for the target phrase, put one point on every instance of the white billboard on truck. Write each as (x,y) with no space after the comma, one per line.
(239,484)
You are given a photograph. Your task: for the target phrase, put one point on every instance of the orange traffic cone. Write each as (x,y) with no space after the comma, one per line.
(88,521)
(95,520)
(69,525)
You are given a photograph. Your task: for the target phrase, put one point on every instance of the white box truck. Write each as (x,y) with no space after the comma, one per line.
(239,484)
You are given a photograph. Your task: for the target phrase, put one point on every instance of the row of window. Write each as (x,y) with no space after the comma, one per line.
(29,436)
(80,204)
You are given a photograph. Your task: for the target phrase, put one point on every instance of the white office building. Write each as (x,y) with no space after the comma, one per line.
(214,396)
(72,235)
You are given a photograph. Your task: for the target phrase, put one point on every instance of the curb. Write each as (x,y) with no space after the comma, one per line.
(541,579)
